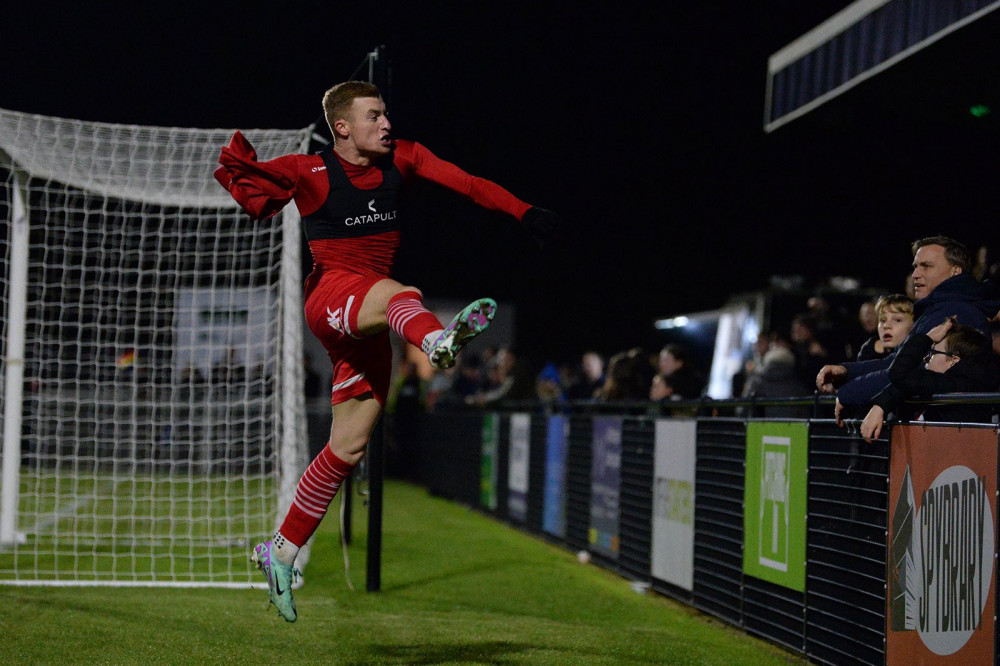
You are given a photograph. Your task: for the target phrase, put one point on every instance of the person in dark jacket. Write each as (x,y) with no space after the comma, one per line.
(778,378)
(949,358)
(674,362)
(944,287)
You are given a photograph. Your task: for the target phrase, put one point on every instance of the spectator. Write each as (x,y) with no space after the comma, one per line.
(810,353)
(981,267)
(894,314)
(827,329)
(674,362)
(592,379)
(778,378)
(468,378)
(661,389)
(403,409)
(867,327)
(509,379)
(753,364)
(663,394)
(628,377)
(944,287)
(867,317)
(440,385)
(406,394)
(548,385)
(949,358)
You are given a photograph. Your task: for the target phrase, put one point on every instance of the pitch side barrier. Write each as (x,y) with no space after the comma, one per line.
(787,526)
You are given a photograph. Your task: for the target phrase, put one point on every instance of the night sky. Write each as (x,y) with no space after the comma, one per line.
(640,125)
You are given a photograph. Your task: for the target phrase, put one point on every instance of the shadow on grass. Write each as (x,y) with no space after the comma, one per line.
(495,653)
(474,569)
(484,652)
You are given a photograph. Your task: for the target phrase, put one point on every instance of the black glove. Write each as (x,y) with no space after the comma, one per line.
(542,224)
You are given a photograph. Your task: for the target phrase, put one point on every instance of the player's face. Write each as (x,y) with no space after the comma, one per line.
(930,268)
(370,128)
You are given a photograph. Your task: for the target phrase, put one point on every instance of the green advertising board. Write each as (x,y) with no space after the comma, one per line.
(774,503)
(488,461)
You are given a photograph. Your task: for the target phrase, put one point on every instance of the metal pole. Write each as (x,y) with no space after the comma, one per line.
(376,463)
(17,281)
(372,58)
(345,494)
(376,447)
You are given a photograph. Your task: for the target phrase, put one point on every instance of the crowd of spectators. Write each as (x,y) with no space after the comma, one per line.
(856,357)
(492,376)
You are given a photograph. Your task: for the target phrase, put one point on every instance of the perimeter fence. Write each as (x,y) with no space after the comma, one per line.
(792,528)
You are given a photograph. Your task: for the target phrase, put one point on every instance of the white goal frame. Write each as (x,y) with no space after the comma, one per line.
(121,475)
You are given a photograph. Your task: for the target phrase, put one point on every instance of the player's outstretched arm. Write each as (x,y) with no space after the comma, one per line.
(480,191)
(542,224)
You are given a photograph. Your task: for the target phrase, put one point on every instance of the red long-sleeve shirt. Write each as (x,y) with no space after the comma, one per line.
(264,188)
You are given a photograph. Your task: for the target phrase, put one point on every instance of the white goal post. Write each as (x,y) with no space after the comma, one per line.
(153,422)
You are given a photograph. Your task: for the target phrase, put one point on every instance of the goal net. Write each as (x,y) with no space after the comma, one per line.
(153,423)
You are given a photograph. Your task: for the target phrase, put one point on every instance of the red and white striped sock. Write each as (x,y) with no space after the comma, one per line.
(313,495)
(408,317)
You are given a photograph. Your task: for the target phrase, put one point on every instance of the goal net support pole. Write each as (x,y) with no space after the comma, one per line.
(13,363)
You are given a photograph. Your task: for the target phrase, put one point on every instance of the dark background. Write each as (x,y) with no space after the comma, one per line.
(640,125)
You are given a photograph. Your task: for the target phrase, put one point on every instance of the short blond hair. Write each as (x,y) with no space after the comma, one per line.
(900,303)
(337,100)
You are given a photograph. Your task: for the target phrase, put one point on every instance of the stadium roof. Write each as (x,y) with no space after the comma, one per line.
(954,75)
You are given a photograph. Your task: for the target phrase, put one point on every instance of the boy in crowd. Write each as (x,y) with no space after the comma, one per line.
(949,358)
(894,314)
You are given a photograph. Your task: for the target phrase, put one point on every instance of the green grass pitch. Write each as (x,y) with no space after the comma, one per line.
(457,588)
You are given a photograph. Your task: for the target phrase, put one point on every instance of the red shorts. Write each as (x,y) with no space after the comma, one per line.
(360,363)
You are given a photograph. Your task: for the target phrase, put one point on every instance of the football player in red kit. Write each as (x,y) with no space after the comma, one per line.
(348,197)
